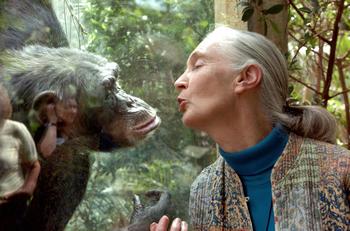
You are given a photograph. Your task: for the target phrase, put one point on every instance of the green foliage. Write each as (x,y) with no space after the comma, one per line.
(311,28)
(251,7)
(247,13)
(275,9)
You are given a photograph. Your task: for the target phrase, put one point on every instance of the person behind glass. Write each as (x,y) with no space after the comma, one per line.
(19,167)
(278,167)
(59,117)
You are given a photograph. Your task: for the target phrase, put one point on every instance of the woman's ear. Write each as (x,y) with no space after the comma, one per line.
(249,79)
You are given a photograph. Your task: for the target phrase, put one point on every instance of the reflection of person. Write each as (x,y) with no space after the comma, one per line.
(19,167)
(60,118)
(277,168)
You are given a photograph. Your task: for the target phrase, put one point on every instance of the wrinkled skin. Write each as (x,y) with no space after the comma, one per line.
(108,118)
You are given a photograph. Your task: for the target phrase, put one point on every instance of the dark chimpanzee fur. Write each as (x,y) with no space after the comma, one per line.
(29,22)
(108,117)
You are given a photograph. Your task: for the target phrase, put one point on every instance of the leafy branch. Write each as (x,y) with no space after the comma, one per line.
(307,10)
(332,54)
(327,29)
(76,20)
(346,99)
(305,84)
(256,6)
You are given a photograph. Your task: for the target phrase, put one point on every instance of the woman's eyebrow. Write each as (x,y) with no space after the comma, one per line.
(194,56)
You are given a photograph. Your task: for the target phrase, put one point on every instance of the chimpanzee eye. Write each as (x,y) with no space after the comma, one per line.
(109,83)
(116,73)
(111,100)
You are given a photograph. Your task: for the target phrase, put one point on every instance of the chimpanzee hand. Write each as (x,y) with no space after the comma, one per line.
(143,217)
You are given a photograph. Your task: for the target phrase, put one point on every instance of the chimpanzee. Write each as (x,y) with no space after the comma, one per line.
(36,62)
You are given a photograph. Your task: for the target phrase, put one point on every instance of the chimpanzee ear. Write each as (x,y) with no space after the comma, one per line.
(44,98)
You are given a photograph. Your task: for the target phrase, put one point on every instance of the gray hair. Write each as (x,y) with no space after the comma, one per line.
(244,48)
(71,73)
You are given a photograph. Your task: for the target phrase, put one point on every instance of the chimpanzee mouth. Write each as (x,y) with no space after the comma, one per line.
(148,126)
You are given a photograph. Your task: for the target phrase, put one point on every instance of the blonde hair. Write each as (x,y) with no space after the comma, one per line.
(244,48)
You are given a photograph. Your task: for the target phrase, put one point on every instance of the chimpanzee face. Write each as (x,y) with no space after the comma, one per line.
(125,118)
(102,105)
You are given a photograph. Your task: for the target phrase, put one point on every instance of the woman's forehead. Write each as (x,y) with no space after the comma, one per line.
(208,50)
(68,101)
(205,45)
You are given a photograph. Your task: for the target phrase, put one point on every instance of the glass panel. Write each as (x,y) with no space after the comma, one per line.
(150,41)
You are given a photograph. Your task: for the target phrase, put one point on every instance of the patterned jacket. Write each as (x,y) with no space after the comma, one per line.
(310,191)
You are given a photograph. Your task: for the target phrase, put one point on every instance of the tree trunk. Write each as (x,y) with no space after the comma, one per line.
(273,26)
(228,12)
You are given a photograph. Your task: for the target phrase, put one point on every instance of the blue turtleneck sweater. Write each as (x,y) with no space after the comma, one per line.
(254,166)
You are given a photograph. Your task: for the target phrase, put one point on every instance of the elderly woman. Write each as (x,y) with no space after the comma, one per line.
(278,168)
(19,167)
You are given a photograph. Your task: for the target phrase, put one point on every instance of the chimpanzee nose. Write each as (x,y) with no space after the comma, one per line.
(129,102)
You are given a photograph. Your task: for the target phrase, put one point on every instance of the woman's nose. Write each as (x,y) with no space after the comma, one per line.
(74,111)
(181,83)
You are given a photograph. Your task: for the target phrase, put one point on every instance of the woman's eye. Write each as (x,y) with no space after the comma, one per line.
(198,64)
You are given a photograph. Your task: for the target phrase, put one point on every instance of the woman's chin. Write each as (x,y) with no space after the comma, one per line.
(195,122)
(69,123)
(187,121)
